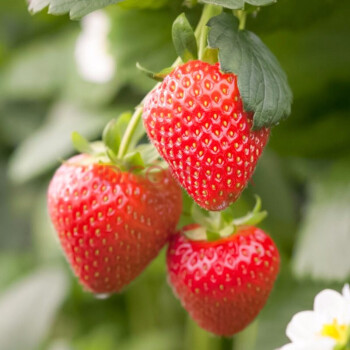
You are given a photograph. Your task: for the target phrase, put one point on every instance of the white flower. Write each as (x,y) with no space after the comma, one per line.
(92,57)
(327,327)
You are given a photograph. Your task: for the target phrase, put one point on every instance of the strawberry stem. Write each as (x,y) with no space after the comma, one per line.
(201,32)
(242,17)
(125,142)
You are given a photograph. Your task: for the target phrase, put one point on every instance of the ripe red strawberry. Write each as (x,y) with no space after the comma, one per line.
(223,284)
(195,119)
(110,223)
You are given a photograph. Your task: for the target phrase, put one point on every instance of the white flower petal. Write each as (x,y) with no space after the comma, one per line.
(346,292)
(331,305)
(291,346)
(93,60)
(316,344)
(304,326)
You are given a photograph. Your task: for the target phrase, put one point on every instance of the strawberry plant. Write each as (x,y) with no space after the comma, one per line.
(154,211)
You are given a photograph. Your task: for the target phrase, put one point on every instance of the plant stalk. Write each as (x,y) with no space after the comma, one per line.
(201,31)
(125,142)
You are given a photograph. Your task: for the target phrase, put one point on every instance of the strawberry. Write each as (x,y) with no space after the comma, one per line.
(195,119)
(111,223)
(223,284)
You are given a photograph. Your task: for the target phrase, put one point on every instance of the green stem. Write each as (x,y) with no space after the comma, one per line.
(242,17)
(201,31)
(246,339)
(124,145)
(226,344)
(197,338)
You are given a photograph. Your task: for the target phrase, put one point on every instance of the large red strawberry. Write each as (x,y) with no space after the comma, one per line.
(223,284)
(111,223)
(195,118)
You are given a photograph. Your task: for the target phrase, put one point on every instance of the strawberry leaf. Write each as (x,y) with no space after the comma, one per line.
(183,38)
(262,82)
(212,236)
(75,8)
(239,4)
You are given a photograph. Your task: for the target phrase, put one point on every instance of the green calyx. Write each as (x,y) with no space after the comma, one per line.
(218,225)
(120,144)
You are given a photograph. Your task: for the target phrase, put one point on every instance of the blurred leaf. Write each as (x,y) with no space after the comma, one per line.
(329,135)
(13,265)
(101,338)
(156,340)
(19,119)
(45,241)
(51,143)
(145,37)
(261,80)
(59,345)
(276,18)
(319,48)
(28,309)
(76,8)
(324,237)
(39,69)
(270,183)
(15,203)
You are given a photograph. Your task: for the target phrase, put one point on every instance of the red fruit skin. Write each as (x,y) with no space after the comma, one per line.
(111,224)
(223,284)
(195,119)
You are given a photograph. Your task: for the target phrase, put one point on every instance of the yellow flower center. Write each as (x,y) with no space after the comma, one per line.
(339,332)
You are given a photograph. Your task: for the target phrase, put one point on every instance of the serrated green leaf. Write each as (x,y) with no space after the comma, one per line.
(184,39)
(239,4)
(80,143)
(322,249)
(75,8)
(111,136)
(144,4)
(262,83)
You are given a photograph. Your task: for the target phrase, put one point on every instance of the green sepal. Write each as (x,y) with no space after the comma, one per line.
(210,55)
(111,136)
(148,152)
(212,236)
(262,83)
(134,162)
(153,75)
(216,225)
(81,144)
(252,218)
(184,40)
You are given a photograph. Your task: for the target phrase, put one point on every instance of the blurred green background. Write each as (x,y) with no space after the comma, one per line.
(303,177)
